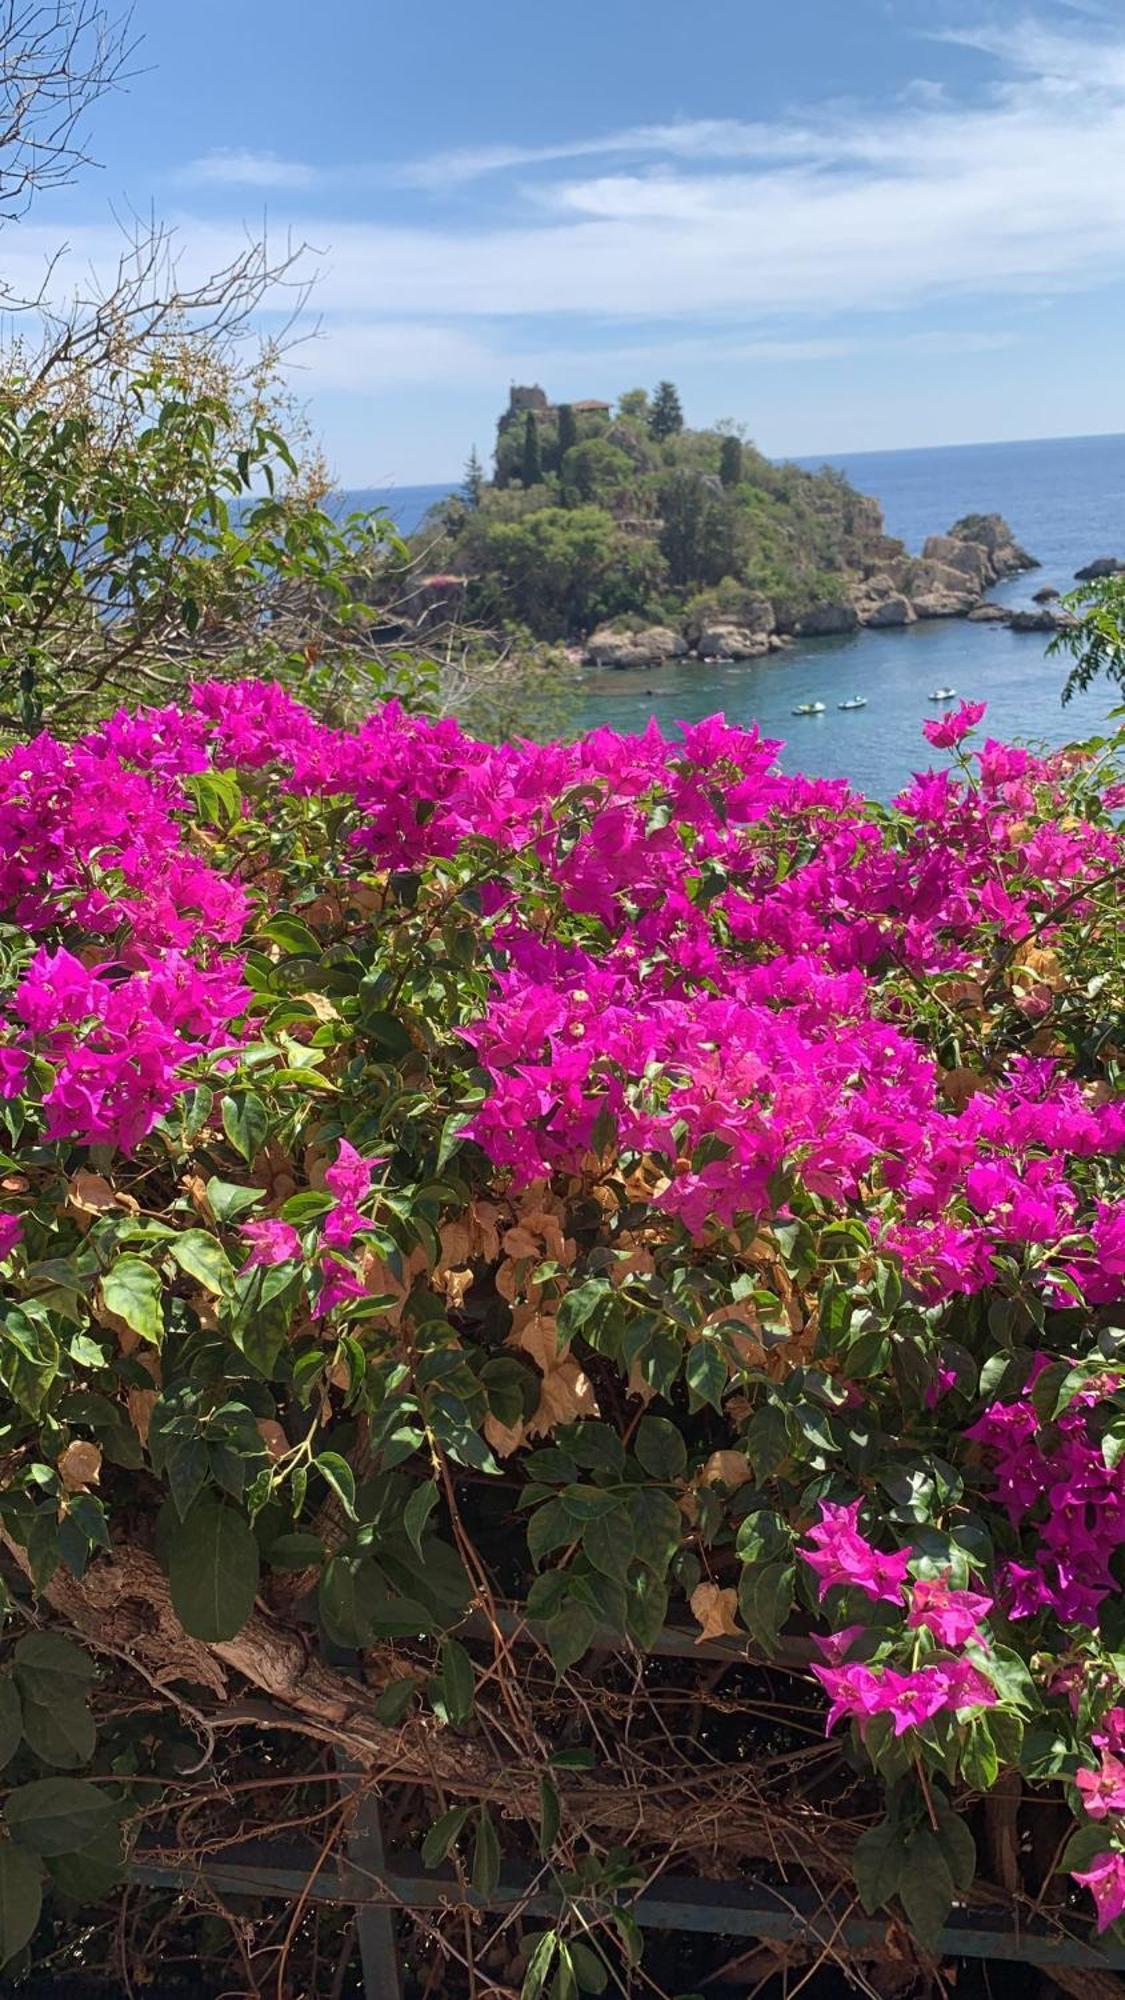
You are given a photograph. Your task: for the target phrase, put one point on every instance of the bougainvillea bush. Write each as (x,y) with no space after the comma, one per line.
(586,1279)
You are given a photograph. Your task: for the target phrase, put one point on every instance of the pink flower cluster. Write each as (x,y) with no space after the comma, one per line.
(1053,1482)
(843,1557)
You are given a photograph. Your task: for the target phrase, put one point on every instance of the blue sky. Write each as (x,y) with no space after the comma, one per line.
(849,224)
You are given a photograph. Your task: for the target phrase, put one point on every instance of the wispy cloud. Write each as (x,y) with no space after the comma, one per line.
(236,167)
(791,226)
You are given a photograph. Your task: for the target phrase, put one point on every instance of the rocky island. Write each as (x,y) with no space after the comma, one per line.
(632,540)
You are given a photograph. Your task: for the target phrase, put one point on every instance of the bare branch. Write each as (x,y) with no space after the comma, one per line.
(57,58)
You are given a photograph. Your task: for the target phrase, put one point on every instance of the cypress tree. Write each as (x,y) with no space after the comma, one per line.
(532,457)
(730,461)
(474,480)
(665,417)
(568,430)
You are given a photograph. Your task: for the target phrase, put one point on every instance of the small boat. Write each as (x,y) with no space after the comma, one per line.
(857,701)
(943,694)
(809,708)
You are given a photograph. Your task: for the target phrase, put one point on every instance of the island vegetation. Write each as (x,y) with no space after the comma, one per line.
(620,530)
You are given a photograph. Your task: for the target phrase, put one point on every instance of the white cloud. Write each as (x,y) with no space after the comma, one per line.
(792,224)
(236,167)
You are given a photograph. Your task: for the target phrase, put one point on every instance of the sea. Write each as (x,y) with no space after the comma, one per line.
(1064,499)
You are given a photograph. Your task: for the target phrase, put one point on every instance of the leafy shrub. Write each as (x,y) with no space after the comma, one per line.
(613,1177)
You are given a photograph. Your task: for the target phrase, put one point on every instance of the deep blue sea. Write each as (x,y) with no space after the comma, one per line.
(1065,500)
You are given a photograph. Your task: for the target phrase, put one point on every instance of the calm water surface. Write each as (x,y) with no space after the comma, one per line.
(1065,500)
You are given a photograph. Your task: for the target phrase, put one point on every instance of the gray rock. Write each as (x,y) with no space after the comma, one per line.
(894,610)
(649,647)
(943,604)
(991,533)
(1047,595)
(967,558)
(731,642)
(1048,618)
(990,614)
(821,620)
(1101,566)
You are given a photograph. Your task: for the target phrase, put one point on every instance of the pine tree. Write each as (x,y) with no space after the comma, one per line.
(665,417)
(473,485)
(568,430)
(532,457)
(730,461)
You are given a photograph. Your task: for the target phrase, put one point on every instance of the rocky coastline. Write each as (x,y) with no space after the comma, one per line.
(949,579)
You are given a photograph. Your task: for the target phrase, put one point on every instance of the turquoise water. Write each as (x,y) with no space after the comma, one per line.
(1065,500)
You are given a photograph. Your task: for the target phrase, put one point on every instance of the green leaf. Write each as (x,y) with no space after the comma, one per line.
(11,1720)
(132,1290)
(538,1966)
(959,1848)
(877,1863)
(293,935)
(213,1571)
(21,1899)
(607,1543)
(925,1887)
(550,1816)
(417,1512)
(980,1763)
(765,1599)
(29,1358)
(337,1473)
(62,1734)
(203,1258)
(51,1668)
(458,1681)
(59,1815)
(246,1123)
(442,1835)
(660,1448)
(227,1201)
(395,1700)
(486,1855)
(569,1634)
(296,1551)
(646,1607)
(590,1968)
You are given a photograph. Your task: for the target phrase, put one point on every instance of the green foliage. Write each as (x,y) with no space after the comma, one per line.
(1096,639)
(665,417)
(136,542)
(683,515)
(531,462)
(730,461)
(568,430)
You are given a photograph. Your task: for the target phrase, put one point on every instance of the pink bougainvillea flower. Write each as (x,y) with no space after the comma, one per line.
(949,730)
(1103,1791)
(349,1179)
(271,1242)
(953,1616)
(11,1232)
(841,1555)
(910,1699)
(1105,1879)
(13,1071)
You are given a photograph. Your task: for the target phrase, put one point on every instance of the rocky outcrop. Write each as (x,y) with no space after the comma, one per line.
(991,533)
(1048,595)
(968,559)
(893,609)
(731,642)
(1101,566)
(648,647)
(1047,618)
(990,614)
(822,620)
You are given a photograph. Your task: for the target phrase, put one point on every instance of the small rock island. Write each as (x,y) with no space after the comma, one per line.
(632,540)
